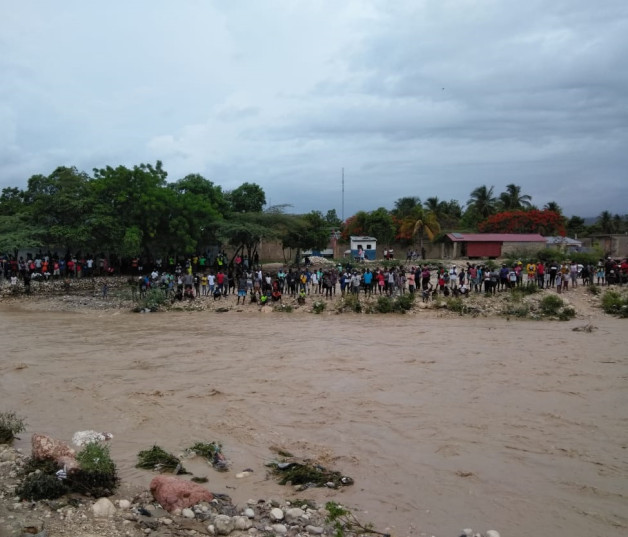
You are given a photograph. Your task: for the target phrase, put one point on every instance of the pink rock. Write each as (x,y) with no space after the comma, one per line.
(47,448)
(174,493)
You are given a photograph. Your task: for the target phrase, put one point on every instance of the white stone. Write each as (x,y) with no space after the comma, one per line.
(492,533)
(188,513)
(103,508)
(280,529)
(166,521)
(248,512)
(240,475)
(211,529)
(242,523)
(124,504)
(314,530)
(468,532)
(224,524)
(294,515)
(276,514)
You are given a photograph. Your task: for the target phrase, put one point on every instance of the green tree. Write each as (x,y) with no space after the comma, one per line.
(576,226)
(331,217)
(247,198)
(379,224)
(512,199)
(482,201)
(419,224)
(406,206)
(553,206)
(132,202)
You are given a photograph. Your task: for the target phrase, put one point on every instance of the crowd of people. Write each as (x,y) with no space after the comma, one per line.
(430,281)
(198,276)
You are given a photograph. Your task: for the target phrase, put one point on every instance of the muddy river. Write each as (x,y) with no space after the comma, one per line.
(444,423)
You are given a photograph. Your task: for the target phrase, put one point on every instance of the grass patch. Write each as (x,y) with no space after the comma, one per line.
(517,310)
(594,289)
(319,306)
(283,308)
(212,451)
(457,305)
(157,459)
(308,474)
(10,426)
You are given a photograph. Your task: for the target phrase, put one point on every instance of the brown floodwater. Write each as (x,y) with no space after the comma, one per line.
(444,423)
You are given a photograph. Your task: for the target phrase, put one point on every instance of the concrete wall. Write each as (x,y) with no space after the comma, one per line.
(530,247)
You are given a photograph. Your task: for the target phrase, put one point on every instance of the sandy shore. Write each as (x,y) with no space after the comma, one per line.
(443,422)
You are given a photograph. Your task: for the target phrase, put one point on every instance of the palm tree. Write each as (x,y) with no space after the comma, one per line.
(482,201)
(405,206)
(420,223)
(605,221)
(553,206)
(433,205)
(512,199)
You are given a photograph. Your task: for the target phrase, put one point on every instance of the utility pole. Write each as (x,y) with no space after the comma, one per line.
(343,195)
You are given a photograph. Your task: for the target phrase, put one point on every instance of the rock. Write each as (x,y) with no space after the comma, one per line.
(248,512)
(211,529)
(223,524)
(124,504)
(187,513)
(166,521)
(103,508)
(276,514)
(242,523)
(47,448)
(492,533)
(294,515)
(280,529)
(174,493)
(155,512)
(314,530)
(8,456)
(467,532)
(82,438)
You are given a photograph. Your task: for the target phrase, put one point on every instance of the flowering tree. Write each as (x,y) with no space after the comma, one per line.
(533,221)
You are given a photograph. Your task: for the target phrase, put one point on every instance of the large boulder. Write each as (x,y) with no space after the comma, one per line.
(175,493)
(46,448)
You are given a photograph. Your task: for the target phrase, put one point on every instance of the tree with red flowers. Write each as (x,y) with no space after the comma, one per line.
(544,222)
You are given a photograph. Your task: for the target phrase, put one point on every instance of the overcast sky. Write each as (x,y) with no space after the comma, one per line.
(410,97)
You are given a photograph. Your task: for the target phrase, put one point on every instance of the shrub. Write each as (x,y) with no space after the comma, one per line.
(615,304)
(594,289)
(283,308)
(319,306)
(457,305)
(40,486)
(404,302)
(384,304)
(153,300)
(10,426)
(97,475)
(568,312)
(350,302)
(520,310)
(551,304)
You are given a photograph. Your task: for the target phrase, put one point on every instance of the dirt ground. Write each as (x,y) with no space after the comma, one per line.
(444,422)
